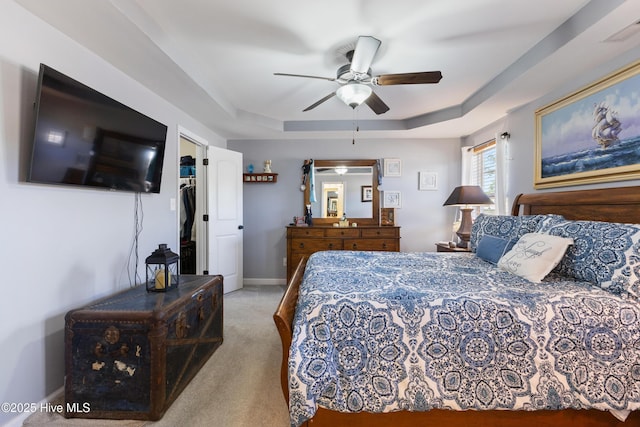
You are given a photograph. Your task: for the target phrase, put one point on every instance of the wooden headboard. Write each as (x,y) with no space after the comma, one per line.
(620,204)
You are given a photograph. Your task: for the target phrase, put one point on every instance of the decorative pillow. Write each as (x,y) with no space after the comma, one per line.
(534,255)
(492,248)
(604,253)
(506,226)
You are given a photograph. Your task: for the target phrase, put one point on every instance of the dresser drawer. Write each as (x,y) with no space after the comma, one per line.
(304,241)
(309,246)
(306,232)
(342,232)
(371,245)
(379,232)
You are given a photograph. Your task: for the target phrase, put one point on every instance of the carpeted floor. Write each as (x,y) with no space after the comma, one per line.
(240,384)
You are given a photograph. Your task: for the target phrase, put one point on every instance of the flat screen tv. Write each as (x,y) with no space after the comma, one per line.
(85,138)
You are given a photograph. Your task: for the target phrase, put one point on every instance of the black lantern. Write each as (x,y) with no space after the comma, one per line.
(162,269)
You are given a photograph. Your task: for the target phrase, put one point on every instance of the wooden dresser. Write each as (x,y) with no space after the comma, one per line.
(303,241)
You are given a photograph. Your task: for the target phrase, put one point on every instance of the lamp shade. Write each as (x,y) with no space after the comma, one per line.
(353,94)
(467,195)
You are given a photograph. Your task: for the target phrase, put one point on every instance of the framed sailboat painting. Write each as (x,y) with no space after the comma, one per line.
(592,135)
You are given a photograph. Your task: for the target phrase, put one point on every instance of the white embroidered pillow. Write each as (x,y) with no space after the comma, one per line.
(534,255)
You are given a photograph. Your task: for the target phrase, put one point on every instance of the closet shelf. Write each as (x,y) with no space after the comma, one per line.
(267,178)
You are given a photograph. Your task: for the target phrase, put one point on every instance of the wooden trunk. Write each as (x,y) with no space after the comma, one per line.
(130,355)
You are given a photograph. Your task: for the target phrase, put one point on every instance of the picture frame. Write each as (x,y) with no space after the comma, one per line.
(391,199)
(387,216)
(366,193)
(392,167)
(427,181)
(591,135)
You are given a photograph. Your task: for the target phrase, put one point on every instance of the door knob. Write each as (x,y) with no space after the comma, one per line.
(240,227)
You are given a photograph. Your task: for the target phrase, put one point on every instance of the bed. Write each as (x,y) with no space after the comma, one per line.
(541,375)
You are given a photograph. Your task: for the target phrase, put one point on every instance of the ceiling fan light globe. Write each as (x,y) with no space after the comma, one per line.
(353,94)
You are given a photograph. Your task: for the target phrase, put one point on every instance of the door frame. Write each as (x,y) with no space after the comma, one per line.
(202,234)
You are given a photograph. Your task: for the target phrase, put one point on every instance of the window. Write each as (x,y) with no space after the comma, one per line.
(483,172)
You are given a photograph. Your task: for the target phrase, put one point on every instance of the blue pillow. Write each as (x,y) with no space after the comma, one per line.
(492,248)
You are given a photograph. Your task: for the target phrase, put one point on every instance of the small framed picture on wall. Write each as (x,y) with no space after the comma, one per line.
(392,167)
(391,199)
(427,181)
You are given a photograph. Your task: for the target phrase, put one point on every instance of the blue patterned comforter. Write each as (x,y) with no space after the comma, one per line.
(383,331)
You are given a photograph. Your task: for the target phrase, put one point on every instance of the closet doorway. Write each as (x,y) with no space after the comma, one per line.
(190,205)
(216,241)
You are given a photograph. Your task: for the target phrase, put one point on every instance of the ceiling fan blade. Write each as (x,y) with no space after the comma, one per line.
(363,55)
(315,104)
(408,78)
(376,104)
(331,79)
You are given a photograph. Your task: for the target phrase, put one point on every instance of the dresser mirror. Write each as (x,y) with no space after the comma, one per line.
(344,186)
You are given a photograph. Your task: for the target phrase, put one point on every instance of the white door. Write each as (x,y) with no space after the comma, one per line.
(224,195)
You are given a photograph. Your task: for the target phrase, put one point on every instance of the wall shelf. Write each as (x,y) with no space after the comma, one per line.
(266,178)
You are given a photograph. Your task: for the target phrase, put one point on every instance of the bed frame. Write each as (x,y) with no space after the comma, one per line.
(620,204)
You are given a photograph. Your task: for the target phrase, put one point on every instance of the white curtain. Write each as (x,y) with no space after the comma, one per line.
(502,205)
(467,159)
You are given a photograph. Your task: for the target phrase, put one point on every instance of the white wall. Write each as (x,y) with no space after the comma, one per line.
(268,208)
(63,247)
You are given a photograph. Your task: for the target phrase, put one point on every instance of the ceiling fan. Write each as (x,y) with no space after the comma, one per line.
(356,80)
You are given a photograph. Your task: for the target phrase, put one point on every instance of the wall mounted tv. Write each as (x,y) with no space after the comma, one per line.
(85,138)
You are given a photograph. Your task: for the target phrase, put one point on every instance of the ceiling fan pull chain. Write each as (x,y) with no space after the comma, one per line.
(355,127)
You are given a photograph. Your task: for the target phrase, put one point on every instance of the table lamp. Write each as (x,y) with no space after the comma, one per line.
(467,196)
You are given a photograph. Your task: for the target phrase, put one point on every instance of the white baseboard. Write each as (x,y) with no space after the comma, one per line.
(261,282)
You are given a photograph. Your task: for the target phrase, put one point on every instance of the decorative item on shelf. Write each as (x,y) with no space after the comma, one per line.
(344,222)
(467,196)
(267,166)
(250,168)
(308,216)
(162,270)
(387,216)
(260,177)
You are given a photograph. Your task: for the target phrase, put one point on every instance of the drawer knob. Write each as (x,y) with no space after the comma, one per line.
(384,246)
(355,246)
(301,246)
(330,245)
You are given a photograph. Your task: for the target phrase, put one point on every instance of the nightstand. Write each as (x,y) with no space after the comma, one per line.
(444,247)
